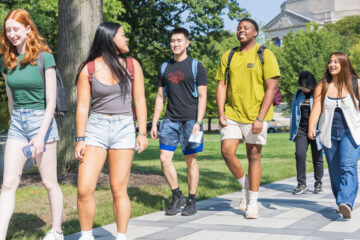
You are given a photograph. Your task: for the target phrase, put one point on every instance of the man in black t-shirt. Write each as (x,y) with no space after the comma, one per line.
(183,80)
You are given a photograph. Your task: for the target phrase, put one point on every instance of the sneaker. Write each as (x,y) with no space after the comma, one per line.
(252,211)
(300,189)
(175,204)
(190,208)
(54,235)
(244,199)
(345,210)
(318,188)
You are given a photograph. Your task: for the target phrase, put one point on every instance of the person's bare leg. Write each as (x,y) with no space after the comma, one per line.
(169,168)
(192,173)
(253,152)
(89,170)
(47,164)
(228,151)
(14,161)
(120,165)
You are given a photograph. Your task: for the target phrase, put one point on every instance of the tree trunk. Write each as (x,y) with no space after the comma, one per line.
(78,20)
(209,124)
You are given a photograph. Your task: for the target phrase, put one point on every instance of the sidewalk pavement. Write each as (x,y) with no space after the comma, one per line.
(282,216)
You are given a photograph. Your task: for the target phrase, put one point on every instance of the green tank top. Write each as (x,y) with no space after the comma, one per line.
(26,85)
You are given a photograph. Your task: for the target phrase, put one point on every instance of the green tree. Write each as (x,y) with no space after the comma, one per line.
(355,57)
(306,50)
(348,27)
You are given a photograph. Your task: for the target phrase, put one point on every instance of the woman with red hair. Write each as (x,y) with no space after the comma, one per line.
(336,102)
(33,130)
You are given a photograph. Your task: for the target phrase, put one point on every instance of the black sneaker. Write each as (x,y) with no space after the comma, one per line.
(318,188)
(300,189)
(175,204)
(190,208)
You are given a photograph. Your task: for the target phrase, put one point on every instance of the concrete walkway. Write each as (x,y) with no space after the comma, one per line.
(282,216)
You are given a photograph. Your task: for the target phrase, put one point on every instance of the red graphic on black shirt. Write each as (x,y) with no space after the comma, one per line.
(176,77)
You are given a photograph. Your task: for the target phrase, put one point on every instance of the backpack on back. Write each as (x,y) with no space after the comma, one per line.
(194,71)
(62,100)
(260,52)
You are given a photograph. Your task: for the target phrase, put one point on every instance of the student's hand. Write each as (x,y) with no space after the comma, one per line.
(311,134)
(141,143)
(153,132)
(196,128)
(38,144)
(79,150)
(257,127)
(223,120)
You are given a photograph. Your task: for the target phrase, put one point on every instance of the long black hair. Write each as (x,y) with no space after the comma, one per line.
(307,80)
(104,45)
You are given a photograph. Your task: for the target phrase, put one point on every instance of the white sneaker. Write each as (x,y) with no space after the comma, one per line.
(252,211)
(91,237)
(53,235)
(244,199)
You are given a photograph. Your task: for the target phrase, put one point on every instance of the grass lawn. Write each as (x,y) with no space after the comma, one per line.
(32,215)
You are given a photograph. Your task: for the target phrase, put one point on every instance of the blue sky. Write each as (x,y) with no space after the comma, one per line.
(261,11)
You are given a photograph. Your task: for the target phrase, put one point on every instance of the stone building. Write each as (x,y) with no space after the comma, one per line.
(296,13)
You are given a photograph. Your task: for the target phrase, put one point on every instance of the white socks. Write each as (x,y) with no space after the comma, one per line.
(121,236)
(86,234)
(244,182)
(253,196)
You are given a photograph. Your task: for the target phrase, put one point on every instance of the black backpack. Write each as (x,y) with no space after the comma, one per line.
(260,52)
(62,100)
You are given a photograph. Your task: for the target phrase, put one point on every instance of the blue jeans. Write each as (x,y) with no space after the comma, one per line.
(173,132)
(342,160)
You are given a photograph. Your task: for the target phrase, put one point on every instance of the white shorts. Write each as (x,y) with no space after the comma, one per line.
(242,131)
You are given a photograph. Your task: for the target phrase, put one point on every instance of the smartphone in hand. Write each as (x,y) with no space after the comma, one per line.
(317,133)
(28,150)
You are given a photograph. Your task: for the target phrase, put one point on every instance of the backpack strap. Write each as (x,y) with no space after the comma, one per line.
(227,70)
(355,83)
(194,70)
(41,65)
(261,54)
(91,70)
(162,71)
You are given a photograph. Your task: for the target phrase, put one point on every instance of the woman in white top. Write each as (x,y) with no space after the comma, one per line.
(336,102)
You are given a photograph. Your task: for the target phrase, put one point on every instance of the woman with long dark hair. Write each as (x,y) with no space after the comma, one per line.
(32,100)
(105,80)
(337,104)
(301,106)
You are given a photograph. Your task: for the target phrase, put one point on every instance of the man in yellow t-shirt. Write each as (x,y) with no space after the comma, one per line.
(247,97)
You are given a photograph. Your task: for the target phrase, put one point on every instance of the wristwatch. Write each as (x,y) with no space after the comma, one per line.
(80,139)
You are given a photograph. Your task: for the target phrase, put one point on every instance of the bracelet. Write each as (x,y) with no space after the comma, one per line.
(142,134)
(80,139)
(198,122)
(260,120)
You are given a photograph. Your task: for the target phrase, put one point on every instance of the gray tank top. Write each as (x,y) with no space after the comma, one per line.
(107,99)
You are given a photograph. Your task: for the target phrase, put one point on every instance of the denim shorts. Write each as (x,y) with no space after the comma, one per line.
(25,125)
(110,131)
(173,132)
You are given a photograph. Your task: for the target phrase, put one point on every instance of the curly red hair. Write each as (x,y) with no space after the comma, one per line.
(34,42)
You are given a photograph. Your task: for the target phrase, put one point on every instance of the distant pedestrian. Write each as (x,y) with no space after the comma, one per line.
(301,106)
(245,93)
(336,102)
(106,80)
(183,80)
